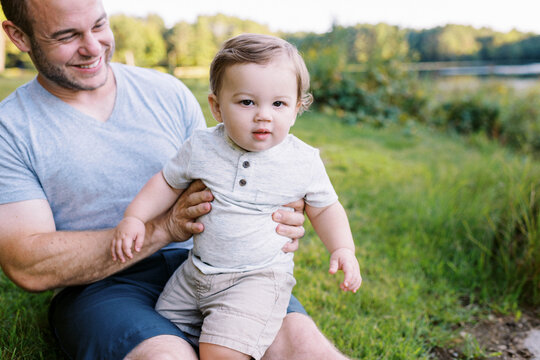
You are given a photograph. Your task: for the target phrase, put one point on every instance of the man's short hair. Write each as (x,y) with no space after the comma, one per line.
(17,12)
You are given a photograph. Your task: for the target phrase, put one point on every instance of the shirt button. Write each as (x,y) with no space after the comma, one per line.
(245,164)
(243,182)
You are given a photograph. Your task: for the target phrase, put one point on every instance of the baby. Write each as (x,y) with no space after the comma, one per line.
(236,284)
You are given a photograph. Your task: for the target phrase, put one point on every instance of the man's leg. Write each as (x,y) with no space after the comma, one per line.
(163,347)
(110,318)
(300,339)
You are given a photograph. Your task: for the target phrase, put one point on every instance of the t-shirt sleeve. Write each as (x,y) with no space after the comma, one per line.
(176,170)
(320,192)
(17,180)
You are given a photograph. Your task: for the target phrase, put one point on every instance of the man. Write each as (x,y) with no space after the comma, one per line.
(76,144)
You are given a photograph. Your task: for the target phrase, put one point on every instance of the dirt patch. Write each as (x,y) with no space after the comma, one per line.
(496,338)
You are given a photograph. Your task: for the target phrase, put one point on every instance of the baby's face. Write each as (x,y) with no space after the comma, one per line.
(257,103)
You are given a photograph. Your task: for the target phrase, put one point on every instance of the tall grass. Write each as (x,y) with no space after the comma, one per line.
(446,229)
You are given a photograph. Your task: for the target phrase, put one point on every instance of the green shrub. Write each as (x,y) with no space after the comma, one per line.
(521,122)
(468,116)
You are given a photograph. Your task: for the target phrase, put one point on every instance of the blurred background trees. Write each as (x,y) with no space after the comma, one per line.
(149,42)
(366,73)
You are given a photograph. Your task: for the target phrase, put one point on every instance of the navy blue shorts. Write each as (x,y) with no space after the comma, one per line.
(107,319)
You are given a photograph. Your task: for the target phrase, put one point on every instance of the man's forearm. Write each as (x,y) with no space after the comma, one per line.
(59,259)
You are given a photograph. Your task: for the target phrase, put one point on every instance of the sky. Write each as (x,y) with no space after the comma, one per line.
(318,15)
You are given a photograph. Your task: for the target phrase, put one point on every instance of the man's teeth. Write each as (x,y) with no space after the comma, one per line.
(91,66)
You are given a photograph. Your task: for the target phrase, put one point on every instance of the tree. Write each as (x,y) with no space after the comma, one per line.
(2,46)
(196,44)
(139,41)
(180,41)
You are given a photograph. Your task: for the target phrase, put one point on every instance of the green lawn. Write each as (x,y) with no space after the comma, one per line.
(422,207)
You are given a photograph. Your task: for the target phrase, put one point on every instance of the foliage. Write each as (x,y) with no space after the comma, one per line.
(196,44)
(435,218)
(460,42)
(139,41)
(358,74)
(148,42)
(497,111)
(520,118)
(468,115)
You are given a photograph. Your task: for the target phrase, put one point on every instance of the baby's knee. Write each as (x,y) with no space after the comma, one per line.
(209,351)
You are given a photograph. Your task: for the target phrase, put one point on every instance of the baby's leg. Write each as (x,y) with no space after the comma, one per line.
(243,312)
(209,351)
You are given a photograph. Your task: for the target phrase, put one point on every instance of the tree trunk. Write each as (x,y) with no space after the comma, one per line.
(2,52)
(129,57)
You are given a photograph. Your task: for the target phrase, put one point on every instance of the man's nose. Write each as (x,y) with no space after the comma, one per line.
(90,45)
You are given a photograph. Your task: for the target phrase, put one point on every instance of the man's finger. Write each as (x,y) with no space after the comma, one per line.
(297,205)
(193,212)
(291,232)
(290,246)
(289,217)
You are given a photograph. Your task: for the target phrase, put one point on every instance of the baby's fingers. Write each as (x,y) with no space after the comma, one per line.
(126,248)
(139,240)
(353,279)
(113,250)
(348,271)
(334,266)
(355,283)
(119,251)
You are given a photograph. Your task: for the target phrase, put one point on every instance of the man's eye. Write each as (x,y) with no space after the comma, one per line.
(66,37)
(246,102)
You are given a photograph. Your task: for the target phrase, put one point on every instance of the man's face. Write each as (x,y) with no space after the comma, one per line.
(71,44)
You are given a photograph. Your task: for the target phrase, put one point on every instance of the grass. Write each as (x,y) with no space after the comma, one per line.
(426,210)
(12,78)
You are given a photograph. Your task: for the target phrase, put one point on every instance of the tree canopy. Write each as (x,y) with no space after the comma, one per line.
(146,41)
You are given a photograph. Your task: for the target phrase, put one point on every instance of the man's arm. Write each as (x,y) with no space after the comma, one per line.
(36,257)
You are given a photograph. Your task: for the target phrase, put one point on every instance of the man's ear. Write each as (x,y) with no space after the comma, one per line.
(214,107)
(17,36)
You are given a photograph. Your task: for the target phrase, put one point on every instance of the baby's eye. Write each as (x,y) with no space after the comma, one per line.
(246,102)
(278,103)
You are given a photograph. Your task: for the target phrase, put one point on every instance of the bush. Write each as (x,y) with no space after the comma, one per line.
(468,116)
(359,75)
(521,123)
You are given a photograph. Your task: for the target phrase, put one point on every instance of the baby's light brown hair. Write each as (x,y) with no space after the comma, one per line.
(259,49)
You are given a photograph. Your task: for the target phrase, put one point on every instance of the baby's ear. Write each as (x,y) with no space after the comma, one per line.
(214,107)
(298,106)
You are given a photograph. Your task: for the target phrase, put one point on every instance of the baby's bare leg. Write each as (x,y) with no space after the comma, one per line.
(209,351)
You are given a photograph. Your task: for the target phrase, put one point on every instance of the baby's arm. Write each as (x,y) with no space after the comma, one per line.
(332,226)
(155,198)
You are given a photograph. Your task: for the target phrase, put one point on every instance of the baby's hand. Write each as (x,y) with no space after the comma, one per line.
(344,259)
(129,230)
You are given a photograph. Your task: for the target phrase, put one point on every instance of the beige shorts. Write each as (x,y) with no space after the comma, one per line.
(242,311)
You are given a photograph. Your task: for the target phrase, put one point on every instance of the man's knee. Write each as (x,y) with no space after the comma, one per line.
(163,347)
(299,339)
(297,325)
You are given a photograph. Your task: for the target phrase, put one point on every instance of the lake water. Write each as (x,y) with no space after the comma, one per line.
(477,69)
(462,74)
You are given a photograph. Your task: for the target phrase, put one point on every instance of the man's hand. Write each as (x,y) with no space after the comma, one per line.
(291,224)
(180,221)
